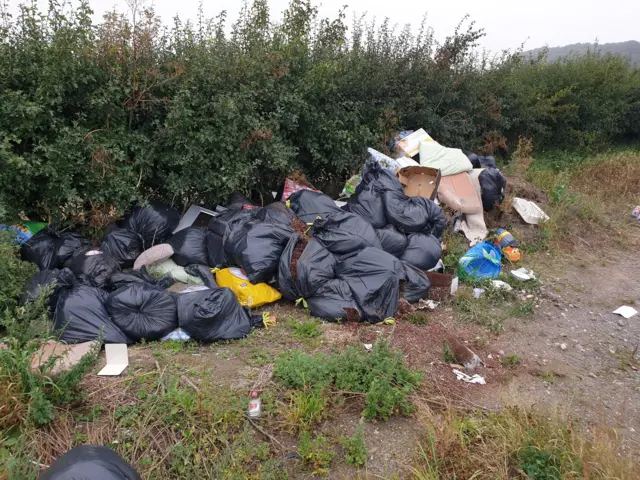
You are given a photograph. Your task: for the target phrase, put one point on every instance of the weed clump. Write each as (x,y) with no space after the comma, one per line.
(380,375)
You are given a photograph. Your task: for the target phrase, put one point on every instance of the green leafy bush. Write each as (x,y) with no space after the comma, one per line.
(14,273)
(93,116)
(380,374)
(356,449)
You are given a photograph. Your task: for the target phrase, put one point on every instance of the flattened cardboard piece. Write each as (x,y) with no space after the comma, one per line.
(458,193)
(67,355)
(420,181)
(117,359)
(410,146)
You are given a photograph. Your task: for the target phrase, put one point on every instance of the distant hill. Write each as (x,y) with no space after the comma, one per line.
(629,49)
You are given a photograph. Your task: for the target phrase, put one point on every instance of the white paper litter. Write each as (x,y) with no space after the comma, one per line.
(523,274)
(368,346)
(427,304)
(626,312)
(500,285)
(117,359)
(178,335)
(478,292)
(468,379)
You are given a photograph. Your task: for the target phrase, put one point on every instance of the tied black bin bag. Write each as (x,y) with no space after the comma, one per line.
(308,205)
(190,247)
(212,314)
(423,251)
(416,284)
(82,317)
(123,245)
(256,248)
(369,205)
(143,311)
(344,233)
(215,251)
(392,240)
(373,277)
(493,186)
(382,179)
(154,223)
(276,213)
(333,302)
(94,264)
(51,249)
(60,279)
(414,214)
(89,462)
(122,279)
(305,266)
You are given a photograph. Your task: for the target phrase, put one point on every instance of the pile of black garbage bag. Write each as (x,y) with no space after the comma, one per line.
(354,263)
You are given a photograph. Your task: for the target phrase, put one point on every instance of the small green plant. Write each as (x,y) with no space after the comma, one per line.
(306,329)
(539,464)
(523,309)
(447,353)
(510,361)
(260,357)
(355,447)
(14,273)
(380,374)
(418,318)
(315,452)
(306,407)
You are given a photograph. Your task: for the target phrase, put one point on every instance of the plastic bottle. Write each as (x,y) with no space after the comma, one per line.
(255,406)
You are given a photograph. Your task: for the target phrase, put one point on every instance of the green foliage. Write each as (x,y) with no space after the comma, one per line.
(14,273)
(316,451)
(30,396)
(539,464)
(93,116)
(510,361)
(355,447)
(307,407)
(380,374)
(305,329)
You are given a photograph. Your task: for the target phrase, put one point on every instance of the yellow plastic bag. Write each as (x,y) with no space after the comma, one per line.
(248,294)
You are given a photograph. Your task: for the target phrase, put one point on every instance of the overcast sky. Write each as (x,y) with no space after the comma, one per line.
(507,23)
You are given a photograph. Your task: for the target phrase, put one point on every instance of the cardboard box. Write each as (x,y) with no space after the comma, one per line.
(420,181)
(410,146)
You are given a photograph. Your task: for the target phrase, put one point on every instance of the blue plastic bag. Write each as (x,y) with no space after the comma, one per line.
(483,260)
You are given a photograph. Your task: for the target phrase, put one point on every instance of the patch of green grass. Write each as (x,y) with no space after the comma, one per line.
(355,447)
(305,329)
(418,318)
(457,246)
(447,354)
(510,361)
(379,374)
(540,464)
(260,357)
(306,408)
(524,308)
(316,452)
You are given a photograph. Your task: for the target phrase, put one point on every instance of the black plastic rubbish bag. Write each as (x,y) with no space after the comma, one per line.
(374,279)
(493,186)
(203,272)
(238,200)
(374,174)
(369,205)
(82,317)
(143,311)
(212,314)
(276,213)
(50,249)
(417,284)
(333,301)
(86,462)
(215,251)
(154,223)
(423,251)
(479,161)
(344,233)
(256,248)
(314,267)
(308,205)
(414,214)
(95,264)
(60,279)
(218,225)
(123,245)
(392,241)
(122,279)
(190,247)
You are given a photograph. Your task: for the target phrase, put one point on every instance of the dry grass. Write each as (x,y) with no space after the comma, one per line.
(488,445)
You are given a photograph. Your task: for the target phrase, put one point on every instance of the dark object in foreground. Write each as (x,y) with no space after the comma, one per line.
(493,186)
(93,264)
(89,462)
(154,223)
(59,279)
